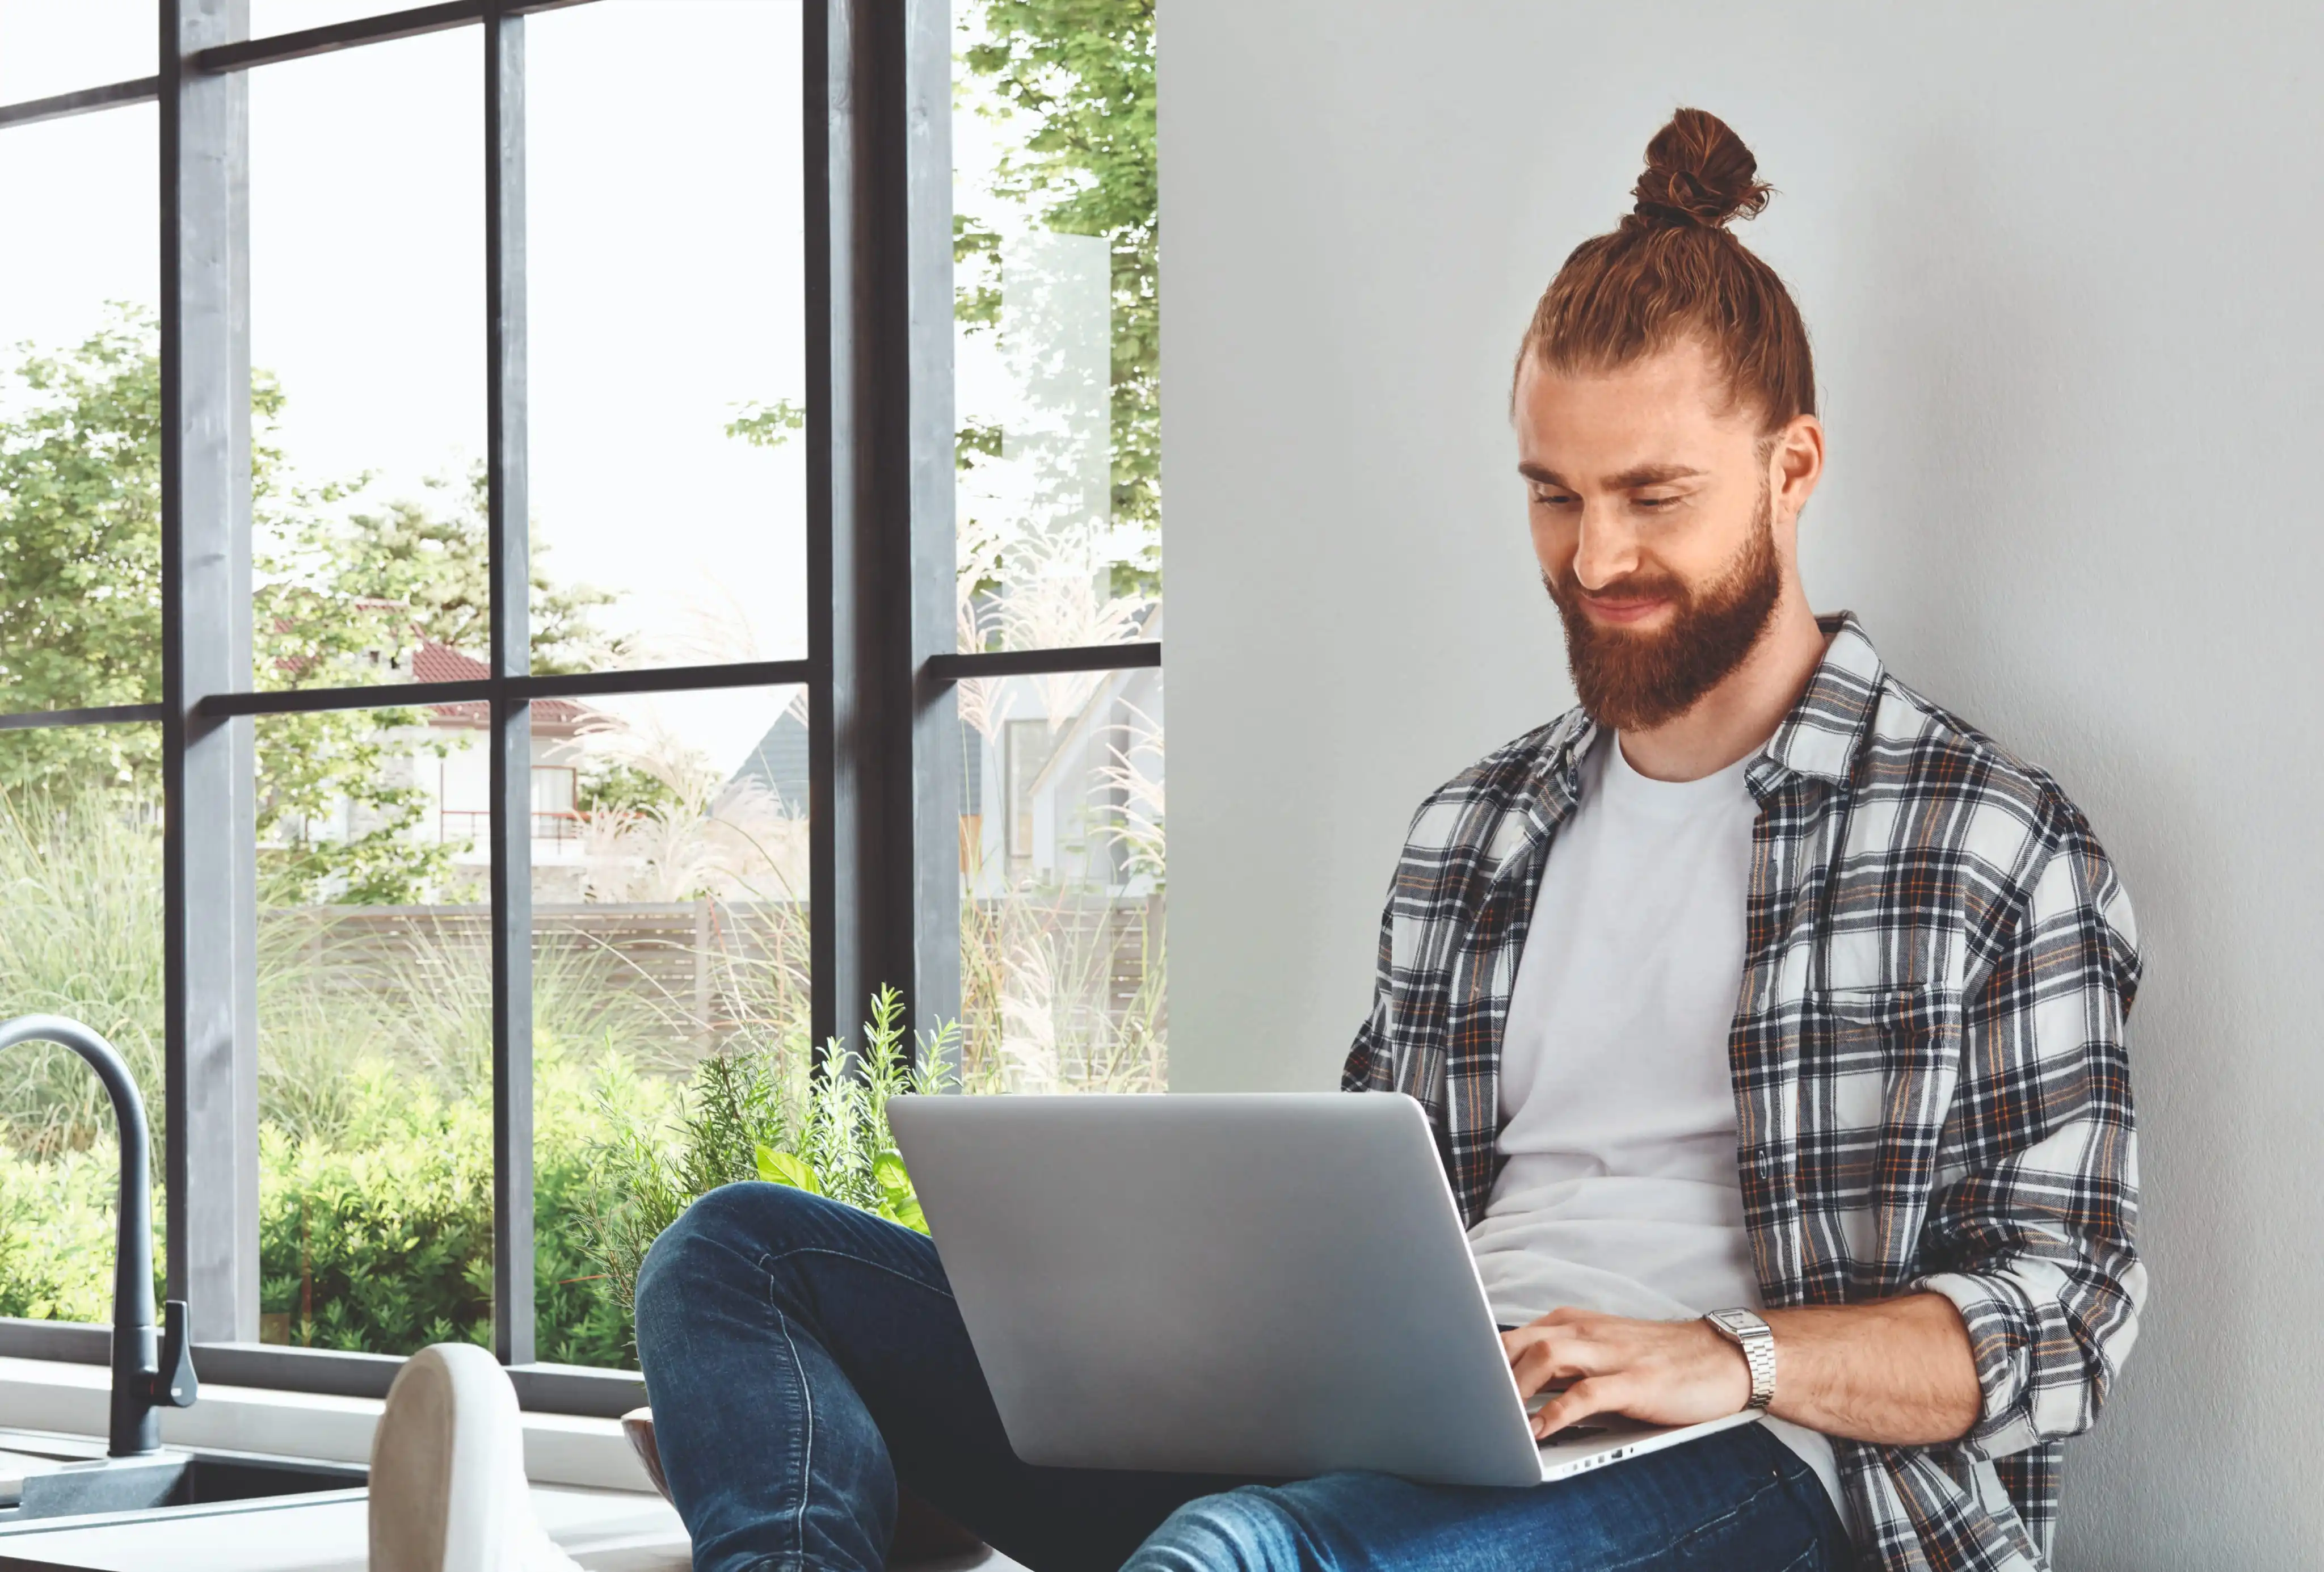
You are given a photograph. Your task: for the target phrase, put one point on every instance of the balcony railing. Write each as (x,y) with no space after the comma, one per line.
(559,827)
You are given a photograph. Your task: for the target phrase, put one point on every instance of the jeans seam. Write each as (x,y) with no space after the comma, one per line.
(806,1442)
(767,1263)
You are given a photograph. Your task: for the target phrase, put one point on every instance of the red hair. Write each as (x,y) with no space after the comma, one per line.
(1672,271)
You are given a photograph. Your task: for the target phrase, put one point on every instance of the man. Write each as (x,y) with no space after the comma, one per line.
(1756,985)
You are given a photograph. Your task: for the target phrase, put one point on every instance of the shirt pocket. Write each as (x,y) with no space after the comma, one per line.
(1877,1071)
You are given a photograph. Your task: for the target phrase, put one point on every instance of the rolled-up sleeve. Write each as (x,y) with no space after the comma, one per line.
(2031,1229)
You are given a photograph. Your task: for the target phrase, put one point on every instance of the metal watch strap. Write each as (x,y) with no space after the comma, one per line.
(1750,1333)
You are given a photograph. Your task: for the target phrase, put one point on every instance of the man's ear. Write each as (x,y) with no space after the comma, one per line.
(1795,464)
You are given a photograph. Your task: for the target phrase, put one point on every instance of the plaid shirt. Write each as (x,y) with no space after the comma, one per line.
(1931,1086)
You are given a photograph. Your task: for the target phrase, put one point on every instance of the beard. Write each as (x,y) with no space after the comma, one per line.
(1634,681)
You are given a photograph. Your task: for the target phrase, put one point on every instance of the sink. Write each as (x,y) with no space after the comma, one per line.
(48,1479)
(220,1508)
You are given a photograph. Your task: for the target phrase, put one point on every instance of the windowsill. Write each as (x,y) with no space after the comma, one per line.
(71,1399)
(556,1389)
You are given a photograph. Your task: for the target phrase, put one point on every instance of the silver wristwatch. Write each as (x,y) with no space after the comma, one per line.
(1747,1331)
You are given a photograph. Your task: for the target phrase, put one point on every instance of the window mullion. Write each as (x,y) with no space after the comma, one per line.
(511,743)
(884,743)
(210,921)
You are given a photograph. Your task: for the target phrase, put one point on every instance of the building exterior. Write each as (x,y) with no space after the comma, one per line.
(454,770)
(1060,780)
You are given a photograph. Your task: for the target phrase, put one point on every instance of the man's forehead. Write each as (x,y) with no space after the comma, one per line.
(1658,411)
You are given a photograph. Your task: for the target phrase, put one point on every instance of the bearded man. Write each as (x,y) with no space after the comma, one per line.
(1758,982)
(1770,1021)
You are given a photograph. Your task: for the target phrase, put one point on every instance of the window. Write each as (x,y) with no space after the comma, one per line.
(1058,544)
(503,546)
(81,641)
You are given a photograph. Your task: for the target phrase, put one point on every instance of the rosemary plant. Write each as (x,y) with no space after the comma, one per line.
(768,1114)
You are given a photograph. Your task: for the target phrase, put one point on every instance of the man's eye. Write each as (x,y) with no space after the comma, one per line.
(1657,503)
(1552,499)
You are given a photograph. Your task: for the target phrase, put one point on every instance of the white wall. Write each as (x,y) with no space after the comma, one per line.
(2062,267)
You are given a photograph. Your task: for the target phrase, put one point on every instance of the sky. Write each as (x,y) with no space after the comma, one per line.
(665,243)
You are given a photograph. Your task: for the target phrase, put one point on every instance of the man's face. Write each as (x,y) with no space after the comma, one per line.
(1654,512)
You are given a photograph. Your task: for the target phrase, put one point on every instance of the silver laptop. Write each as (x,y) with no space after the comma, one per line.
(1273,1285)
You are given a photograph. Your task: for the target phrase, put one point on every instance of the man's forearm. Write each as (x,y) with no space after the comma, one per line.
(1899,1371)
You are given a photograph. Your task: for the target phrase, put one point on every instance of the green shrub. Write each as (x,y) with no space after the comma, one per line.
(380,1239)
(375,1110)
(57,1232)
(763,1113)
(376,1234)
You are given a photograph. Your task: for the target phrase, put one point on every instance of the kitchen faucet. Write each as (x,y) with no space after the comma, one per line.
(142,1382)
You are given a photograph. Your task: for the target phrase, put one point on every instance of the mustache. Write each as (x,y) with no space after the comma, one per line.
(1565,588)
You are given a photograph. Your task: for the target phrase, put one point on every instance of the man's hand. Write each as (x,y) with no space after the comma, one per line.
(1664,1372)
(1898,1371)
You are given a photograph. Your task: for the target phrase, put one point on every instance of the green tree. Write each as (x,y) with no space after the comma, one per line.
(344,591)
(360,585)
(1079,75)
(347,595)
(763,425)
(80,555)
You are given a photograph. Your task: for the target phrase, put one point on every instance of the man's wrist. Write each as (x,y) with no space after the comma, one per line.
(1755,1340)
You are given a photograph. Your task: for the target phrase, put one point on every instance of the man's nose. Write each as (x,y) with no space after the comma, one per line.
(1606,552)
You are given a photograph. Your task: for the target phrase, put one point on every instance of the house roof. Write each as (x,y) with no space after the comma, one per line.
(779,761)
(435,662)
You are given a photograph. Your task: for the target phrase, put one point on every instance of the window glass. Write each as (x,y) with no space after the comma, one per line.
(273,16)
(48,47)
(666,319)
(1063,882)
(80,405)
(80,936)
(670,926)
(375,1016)
(367,284)
(1056,240)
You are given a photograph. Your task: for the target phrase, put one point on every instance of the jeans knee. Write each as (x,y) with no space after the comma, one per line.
(1250,1530)
(738,1222)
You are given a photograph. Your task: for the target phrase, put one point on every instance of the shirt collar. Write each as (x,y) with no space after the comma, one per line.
(1824,730)
(1820,737)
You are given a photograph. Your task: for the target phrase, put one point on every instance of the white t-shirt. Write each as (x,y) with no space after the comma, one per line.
(1620,1193)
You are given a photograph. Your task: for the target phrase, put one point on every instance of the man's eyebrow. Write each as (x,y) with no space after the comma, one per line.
(1650,474)
(1645,474)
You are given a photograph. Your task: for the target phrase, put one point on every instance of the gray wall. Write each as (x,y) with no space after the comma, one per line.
(2062,267)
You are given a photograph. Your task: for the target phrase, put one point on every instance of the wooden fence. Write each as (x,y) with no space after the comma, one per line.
(709,970)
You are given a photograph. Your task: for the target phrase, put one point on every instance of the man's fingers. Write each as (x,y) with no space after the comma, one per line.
(1595,1394)
(1564,1315)
(1564,1357)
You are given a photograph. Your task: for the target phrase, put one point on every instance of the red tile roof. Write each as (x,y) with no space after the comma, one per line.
(435,662)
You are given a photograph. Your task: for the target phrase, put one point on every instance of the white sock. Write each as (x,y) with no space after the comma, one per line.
(448,1485)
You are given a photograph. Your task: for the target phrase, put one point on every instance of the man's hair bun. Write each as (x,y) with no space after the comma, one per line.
(1698,172)
(1672,270)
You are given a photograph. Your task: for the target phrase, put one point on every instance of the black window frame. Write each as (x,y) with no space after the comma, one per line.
(883,732)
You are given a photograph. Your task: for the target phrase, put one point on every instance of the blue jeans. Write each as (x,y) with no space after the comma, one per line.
(803,1359)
